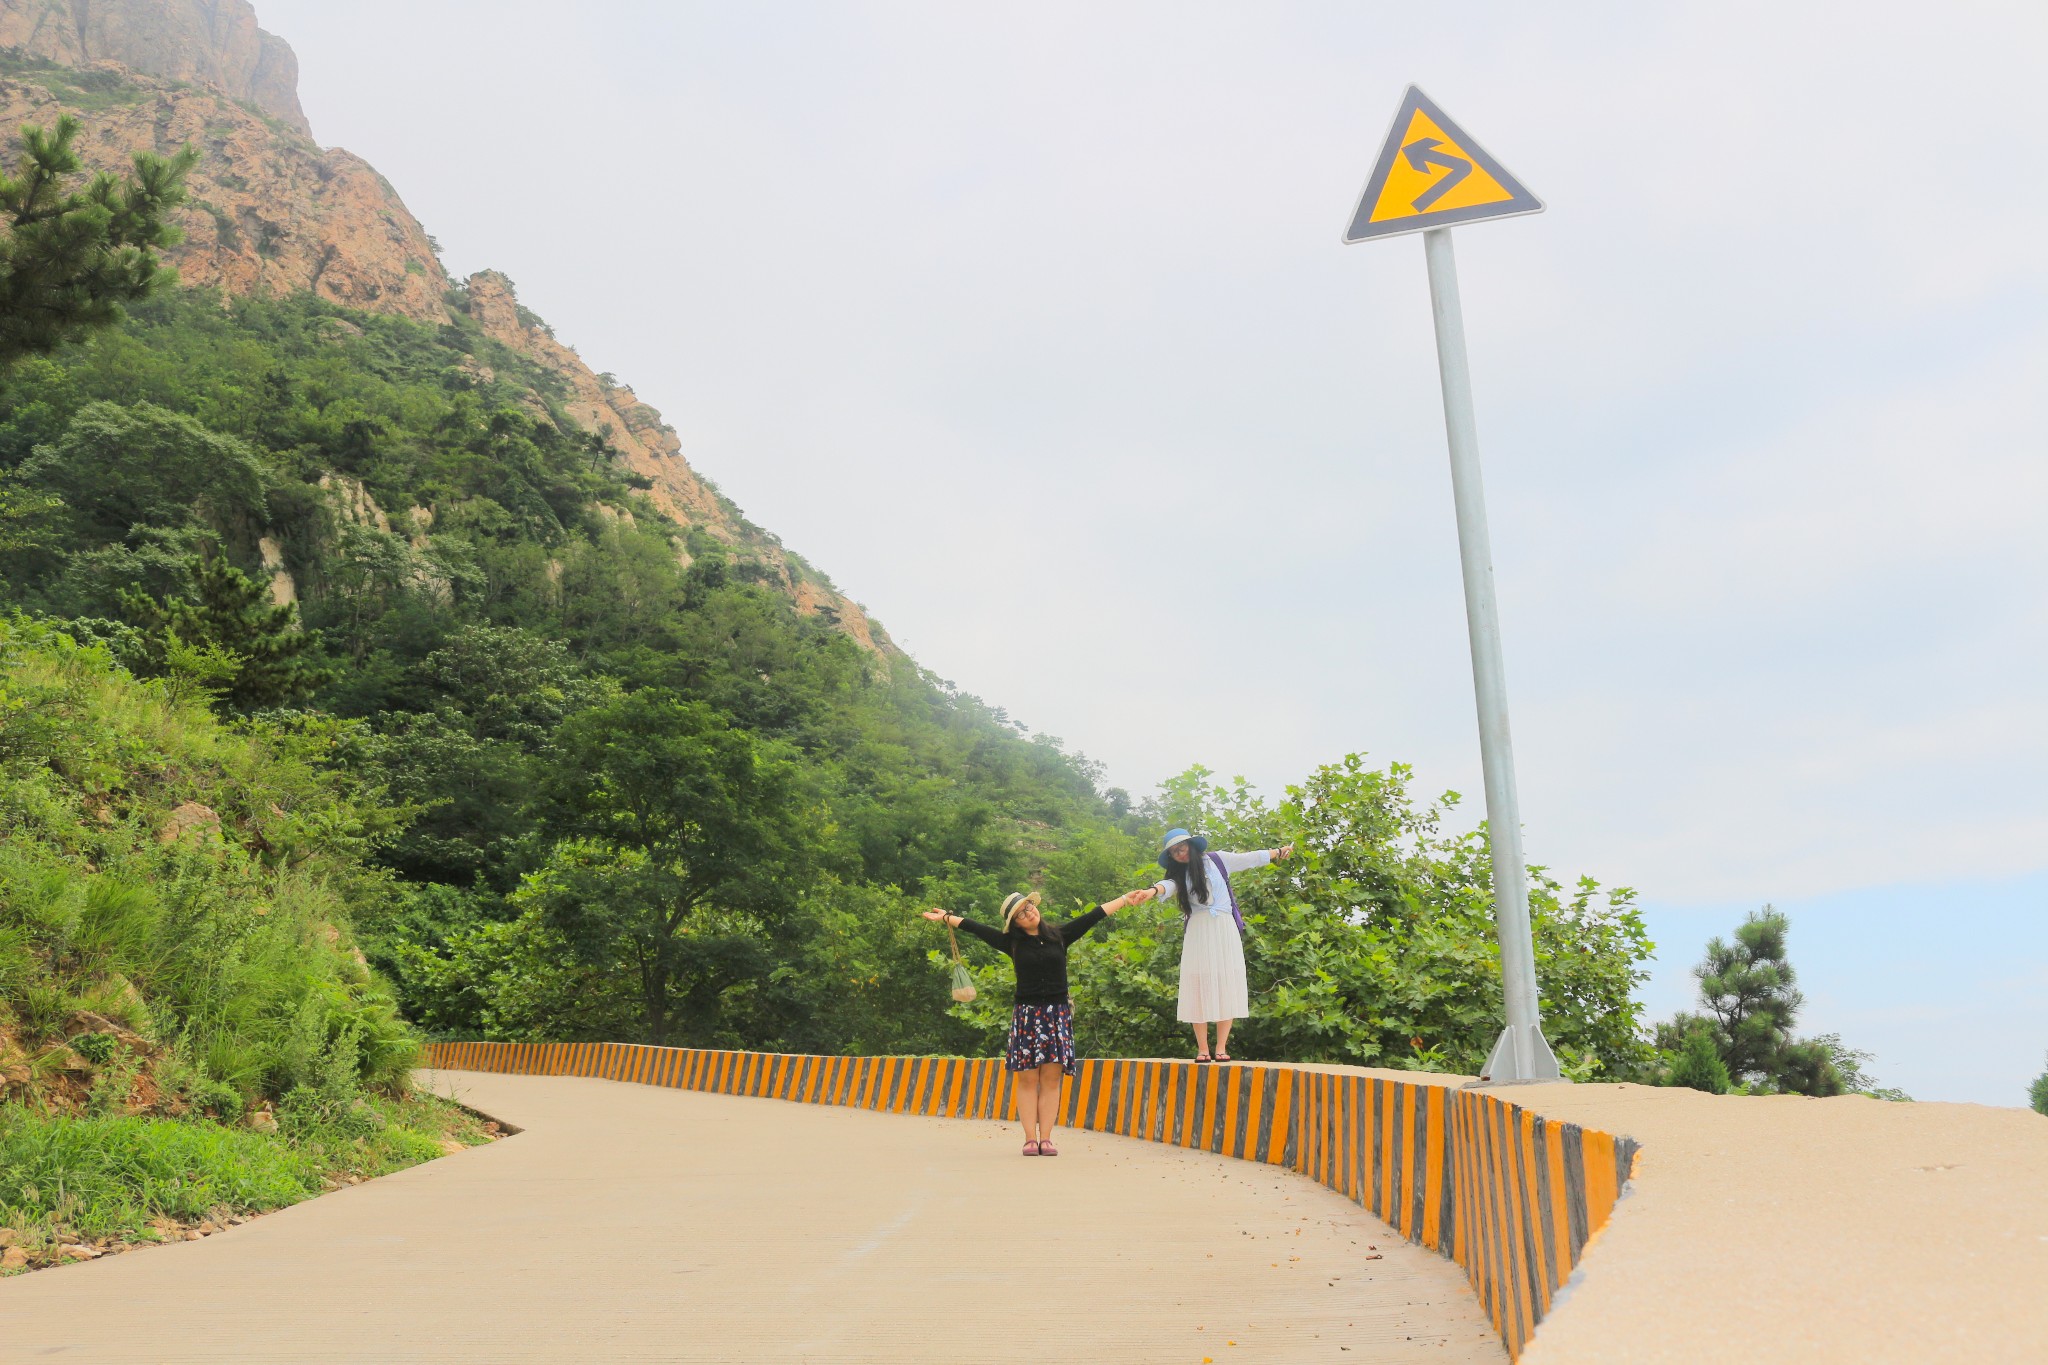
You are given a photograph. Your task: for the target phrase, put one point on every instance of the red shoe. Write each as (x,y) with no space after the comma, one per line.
(1046,1148)
(1031,1149)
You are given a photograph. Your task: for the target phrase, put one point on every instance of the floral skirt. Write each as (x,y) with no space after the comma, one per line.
(1040,1034)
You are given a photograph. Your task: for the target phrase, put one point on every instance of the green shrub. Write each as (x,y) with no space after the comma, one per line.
(214,1099)
(2037,1094)
(1699,1064)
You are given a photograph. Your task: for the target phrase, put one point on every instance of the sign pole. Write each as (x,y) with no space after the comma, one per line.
(1522,1054)
(1429,176)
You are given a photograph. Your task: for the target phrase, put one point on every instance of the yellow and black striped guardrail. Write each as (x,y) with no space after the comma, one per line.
(1512,1197)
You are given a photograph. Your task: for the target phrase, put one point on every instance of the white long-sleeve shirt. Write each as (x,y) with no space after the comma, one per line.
(1218,902)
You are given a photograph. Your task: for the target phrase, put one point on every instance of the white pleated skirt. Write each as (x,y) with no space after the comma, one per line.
(1212,985)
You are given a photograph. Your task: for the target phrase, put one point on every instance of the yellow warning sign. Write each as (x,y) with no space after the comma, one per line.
(1431,174)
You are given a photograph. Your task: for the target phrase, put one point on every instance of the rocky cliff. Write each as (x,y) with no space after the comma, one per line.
(270,210)
(209,42)
(273,211)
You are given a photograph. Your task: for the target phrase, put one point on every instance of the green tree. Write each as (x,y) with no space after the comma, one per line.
(516,981)
(1375,945)
(680,832)
(1849,1062)
(1751,996)
(462,741)
(1699,1063)
(26,514)
(71,257)
(117,468)
(2037,1094)
(230,621)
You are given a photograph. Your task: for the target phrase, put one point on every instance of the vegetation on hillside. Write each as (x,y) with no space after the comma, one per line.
(168,877)
(635,793)
(174,957)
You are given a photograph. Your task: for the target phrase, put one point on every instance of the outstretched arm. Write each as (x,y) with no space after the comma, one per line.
(1076,928)
(1244,862)
(991,936)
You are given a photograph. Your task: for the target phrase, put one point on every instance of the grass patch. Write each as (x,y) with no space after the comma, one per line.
(115,1182)
(112,1177)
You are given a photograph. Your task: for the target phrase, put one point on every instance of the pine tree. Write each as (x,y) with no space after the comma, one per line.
(229,615)
(1751,989)
(70,258)
(1751,996)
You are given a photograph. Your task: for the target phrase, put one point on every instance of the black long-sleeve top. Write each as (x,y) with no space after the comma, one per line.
(1040,958)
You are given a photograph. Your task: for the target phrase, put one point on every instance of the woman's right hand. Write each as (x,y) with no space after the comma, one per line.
(936,915)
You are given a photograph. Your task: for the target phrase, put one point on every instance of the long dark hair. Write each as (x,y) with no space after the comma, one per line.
(1192,873)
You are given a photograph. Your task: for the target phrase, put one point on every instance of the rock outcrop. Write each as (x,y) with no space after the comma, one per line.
(269,210)
(210,42)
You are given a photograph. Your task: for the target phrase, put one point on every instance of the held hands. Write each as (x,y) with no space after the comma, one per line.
(1130,898)
(937,916)
(1284,851)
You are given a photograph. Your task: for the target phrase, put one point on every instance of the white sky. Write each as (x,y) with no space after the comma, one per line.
(1030,326)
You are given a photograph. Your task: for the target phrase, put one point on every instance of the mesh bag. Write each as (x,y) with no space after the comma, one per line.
(963,984)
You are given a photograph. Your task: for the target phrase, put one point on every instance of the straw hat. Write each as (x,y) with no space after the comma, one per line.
(1016,901)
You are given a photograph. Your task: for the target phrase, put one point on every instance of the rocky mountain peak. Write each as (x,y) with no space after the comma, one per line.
(208,42)
(272,212)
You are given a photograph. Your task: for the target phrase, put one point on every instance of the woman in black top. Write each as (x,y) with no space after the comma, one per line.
(1041,1049)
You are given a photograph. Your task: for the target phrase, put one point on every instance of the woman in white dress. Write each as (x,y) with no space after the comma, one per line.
(1212,983)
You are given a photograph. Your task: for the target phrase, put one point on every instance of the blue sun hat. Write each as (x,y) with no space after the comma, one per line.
(1197,845)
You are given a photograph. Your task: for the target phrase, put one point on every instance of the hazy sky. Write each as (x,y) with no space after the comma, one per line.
(1030,326)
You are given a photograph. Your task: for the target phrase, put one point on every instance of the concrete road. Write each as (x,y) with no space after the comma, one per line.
(629,1223)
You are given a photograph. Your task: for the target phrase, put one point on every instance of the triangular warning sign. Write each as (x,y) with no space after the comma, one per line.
(1431,174)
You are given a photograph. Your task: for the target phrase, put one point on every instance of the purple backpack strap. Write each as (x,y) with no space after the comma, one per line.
(1216,861)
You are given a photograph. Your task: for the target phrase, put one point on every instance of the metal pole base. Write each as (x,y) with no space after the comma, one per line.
(1522,1055)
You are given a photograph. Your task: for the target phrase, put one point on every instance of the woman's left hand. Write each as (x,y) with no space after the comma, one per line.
(1284,851)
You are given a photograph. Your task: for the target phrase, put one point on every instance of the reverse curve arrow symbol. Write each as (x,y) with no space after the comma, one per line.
(1422,154)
